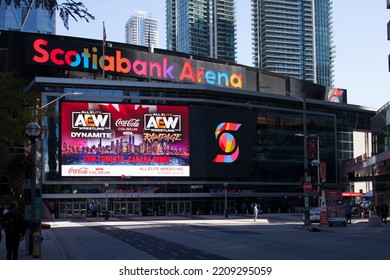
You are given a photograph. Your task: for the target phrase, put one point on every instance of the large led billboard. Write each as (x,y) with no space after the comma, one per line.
(222,141)
(117,139)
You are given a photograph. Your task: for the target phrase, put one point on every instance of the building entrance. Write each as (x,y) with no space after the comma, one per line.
(68,210)
(219,207)
(125,209)
(178,207)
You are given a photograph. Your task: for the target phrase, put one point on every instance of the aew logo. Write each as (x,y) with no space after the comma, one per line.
(91,120)
(227,142)
(162,122)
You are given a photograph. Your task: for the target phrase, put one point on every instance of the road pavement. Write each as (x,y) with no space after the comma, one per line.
(239,237)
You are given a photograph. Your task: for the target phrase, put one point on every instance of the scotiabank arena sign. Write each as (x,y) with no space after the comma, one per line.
(88,57)
(114,139)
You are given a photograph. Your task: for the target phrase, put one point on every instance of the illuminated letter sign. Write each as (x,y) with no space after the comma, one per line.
(86,56)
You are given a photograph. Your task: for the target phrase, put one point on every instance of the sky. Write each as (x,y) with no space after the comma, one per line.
(359,36)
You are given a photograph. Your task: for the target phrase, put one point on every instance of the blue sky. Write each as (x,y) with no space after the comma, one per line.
(359,29)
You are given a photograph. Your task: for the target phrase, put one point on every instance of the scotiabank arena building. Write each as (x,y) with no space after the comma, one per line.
(155,132)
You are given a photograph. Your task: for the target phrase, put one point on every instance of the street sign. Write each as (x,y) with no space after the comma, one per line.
(307,186)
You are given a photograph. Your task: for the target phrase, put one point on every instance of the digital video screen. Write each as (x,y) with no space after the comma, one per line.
(116,140)
(222,141)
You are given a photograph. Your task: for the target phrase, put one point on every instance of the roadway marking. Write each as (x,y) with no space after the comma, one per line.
(156,246)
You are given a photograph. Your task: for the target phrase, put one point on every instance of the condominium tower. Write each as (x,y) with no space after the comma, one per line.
(142,30)
(27,18)
(293,38)
(202,27)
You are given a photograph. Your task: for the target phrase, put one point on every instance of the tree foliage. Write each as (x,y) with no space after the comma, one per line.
(67,9)
(16,109)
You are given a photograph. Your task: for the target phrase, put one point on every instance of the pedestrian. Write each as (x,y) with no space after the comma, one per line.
(370,209)
(348,212)
(384,211)
(243,208)
(362,209)
(14,229)
(255,211)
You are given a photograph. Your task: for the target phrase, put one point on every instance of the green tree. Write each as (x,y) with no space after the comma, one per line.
(67,9)
(16,109)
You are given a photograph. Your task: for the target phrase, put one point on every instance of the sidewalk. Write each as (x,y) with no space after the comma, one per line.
(50,249)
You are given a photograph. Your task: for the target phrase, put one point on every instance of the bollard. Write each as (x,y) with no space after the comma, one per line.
(36,244)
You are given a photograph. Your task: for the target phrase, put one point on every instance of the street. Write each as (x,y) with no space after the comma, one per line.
(272,237)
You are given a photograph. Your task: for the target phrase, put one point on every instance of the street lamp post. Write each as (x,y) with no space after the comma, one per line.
(226,203)
(33,130)
(106,186)
(305,164)
(59,97)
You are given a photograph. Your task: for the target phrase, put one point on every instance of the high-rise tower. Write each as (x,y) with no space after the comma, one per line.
(142,30)
(27,18)
(202,27)
(293,38)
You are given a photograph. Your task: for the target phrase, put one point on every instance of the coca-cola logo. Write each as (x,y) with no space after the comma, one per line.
(127,123)
(78,171)
(85,171)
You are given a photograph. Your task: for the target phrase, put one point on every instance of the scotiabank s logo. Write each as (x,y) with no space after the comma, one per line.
(227,142)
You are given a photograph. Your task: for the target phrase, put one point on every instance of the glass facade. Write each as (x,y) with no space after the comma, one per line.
(27,19)
(204,28)
(277,164)
(324,45)
(142,29)
(381,131)
(267,127)
(293,38)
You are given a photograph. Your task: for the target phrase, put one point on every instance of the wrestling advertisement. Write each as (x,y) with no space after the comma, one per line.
(117,140)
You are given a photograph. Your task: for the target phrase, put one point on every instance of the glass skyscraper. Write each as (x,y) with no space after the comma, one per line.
(202,27)
(293,38)
(142,30)
(27,19)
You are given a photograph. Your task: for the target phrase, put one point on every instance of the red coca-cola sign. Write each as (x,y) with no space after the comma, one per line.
(78,171)
(128,123)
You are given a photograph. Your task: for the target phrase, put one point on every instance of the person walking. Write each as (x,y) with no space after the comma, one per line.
(243,208)
(362,209)
(255,212)
(384,211)
(370,208)
(14,229)
(348,213)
